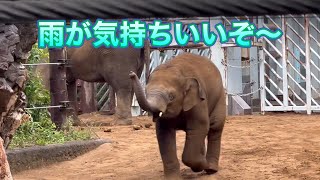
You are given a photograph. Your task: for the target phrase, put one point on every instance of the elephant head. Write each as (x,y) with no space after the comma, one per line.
(168,92)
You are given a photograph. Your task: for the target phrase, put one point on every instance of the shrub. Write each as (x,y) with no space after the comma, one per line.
(41,130)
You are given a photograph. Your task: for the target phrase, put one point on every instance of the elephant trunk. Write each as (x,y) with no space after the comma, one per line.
(154,104)
(138,90)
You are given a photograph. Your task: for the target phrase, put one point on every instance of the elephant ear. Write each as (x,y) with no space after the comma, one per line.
(194,94)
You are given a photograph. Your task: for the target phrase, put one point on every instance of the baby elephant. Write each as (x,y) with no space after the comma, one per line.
(186,93)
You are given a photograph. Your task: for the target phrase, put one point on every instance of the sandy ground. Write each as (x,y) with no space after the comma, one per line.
(278,146)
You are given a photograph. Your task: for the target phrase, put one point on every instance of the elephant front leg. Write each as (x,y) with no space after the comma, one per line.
(194,150)
(166,137)
(194,154)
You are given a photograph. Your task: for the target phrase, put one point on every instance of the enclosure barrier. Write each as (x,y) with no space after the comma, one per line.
(64,105)
(264,81)
(289,76)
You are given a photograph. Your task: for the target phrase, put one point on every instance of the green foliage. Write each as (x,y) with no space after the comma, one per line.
(43,133)
(41,130)
(35,91)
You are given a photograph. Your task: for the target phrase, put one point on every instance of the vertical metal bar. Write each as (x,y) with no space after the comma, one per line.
(262,80)
(225,61)
(308,69)
(225,57)
(218,56)
(284,63)
(262,70)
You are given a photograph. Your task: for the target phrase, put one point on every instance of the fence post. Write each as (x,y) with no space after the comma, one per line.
(308,68)
(262,69)
(147,59)
(284,63)
(58,87)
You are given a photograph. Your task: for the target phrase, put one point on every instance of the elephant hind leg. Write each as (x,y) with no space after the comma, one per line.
(217,119)
(72,96)
(123,108)
(213,153)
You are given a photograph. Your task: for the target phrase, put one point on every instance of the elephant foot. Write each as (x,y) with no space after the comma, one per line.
(195,164)
(123,122)
(122,119)
(173,176)
(197,169)
(211,169)
(107,113)
(76,121)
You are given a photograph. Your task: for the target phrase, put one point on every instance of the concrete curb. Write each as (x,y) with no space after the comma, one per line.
(38,156)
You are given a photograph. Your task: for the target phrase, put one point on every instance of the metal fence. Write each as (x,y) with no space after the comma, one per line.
(273,75)
(291,67)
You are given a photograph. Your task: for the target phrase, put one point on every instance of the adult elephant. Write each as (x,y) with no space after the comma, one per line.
(110,65)
(186,94)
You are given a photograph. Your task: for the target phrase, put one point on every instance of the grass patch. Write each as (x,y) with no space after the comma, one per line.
(41,130)
(44,132)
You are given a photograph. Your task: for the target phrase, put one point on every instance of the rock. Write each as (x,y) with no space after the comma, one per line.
(15,43)
(28,36)
(2,27)
(148,125)
(4,45)
(3,68)
(137,127)
(4,86)
(107,130)
(6,58)
(12,82)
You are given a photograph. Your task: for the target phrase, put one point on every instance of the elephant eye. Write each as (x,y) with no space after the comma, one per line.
(171,96)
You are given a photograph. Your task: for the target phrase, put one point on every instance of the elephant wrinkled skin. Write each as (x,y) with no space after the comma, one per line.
(110,65)
(186,93)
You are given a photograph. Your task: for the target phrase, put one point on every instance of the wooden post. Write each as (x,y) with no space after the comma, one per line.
(5,172)
(58,87)
(147,59)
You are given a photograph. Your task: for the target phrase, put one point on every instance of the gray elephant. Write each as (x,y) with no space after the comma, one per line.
(186,93)
(110,65)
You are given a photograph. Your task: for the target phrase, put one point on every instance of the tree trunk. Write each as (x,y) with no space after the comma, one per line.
(15,44)
(58,87)
(5,172)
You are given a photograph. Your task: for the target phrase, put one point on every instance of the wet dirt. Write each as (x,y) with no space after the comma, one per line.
(274,146)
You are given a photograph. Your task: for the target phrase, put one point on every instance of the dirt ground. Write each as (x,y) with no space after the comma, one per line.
(276,146)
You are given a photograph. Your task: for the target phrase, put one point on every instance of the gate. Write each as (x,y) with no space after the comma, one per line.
(290,70)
